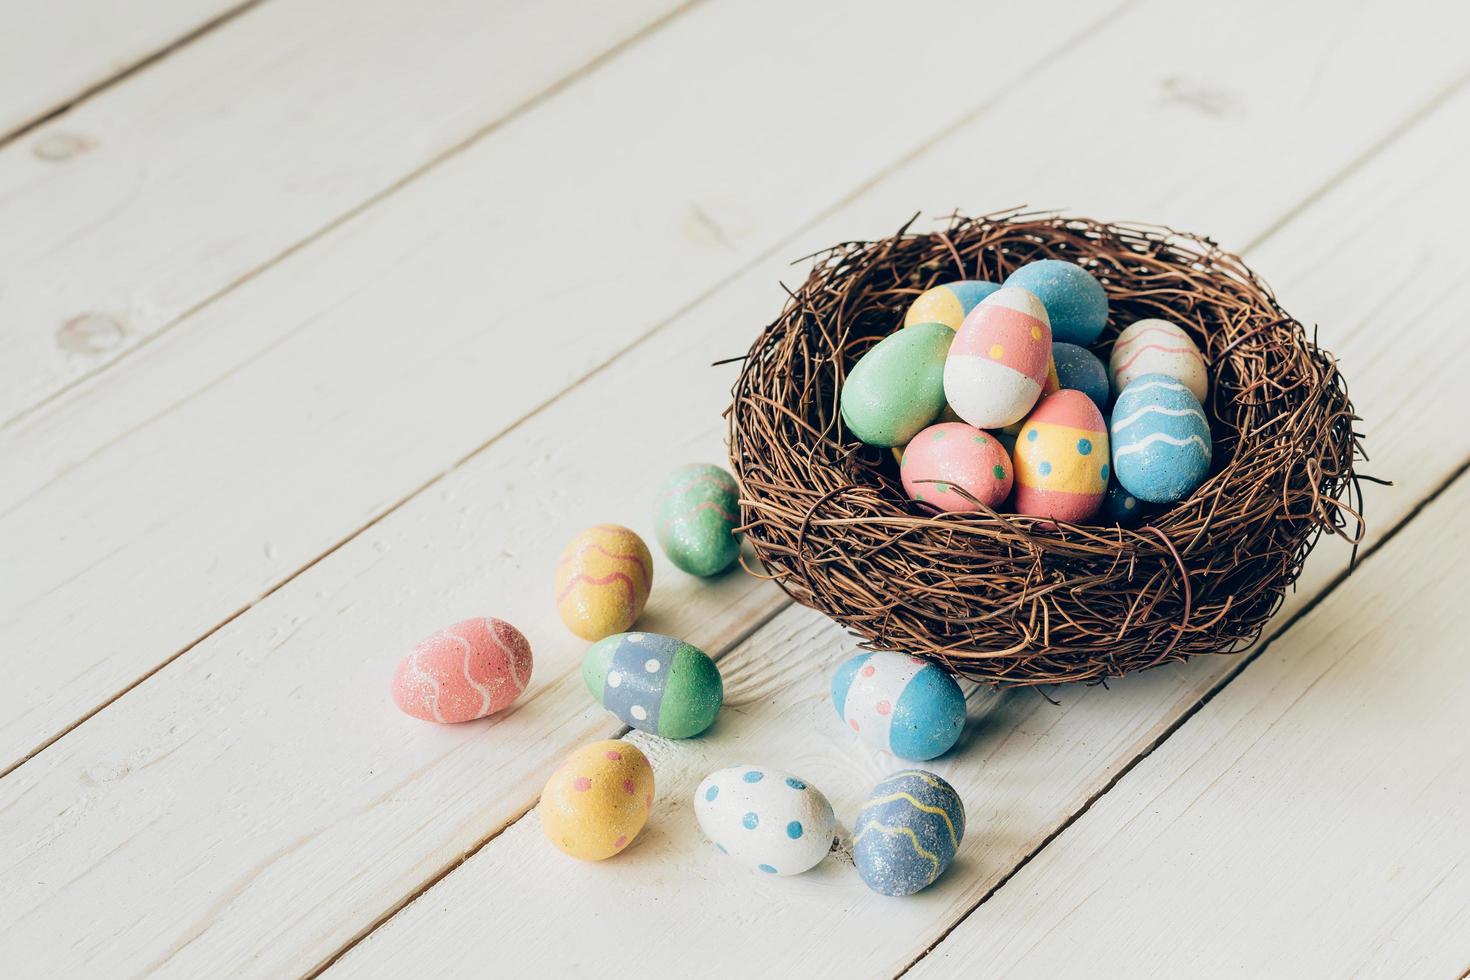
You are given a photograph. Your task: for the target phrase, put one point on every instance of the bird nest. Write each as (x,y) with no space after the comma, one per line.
(1014,600)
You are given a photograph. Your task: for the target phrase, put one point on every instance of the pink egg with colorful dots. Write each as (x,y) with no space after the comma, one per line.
(467,671)
(998,362)
(1062,459)
(950,456)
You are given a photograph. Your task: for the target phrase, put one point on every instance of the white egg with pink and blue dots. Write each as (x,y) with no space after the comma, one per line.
(900,704)
(769,820)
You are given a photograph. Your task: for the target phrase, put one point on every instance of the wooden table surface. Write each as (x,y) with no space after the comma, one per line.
(325,324)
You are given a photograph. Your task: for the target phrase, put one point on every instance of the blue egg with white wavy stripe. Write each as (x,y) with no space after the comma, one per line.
(1161,439)
(907,832)
(901,704)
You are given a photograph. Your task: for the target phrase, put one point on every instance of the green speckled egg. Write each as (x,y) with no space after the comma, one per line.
(698,511)
(897,388)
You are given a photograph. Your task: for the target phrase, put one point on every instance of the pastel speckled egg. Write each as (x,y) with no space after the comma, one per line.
(999,360)
(470,670)
(1158,347)
(897,388)
(1161,439)
(1078,368)
(1062,459)
(602,581)
(698,511)
(767,819)
(957,456)
(1121,507)
(597,801)
(655,683)
(907,832)
(901,704)
(948,303)
(1074,299)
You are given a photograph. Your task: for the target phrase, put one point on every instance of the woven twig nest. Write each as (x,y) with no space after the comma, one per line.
(1013,600)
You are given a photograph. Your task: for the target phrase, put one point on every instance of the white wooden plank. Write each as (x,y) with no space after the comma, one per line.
(1309,822)
(307,404)
(53,52)
(210,749)
(130,211)
(1028,766)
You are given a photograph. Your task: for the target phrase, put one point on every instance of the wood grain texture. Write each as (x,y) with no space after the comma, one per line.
(54,52)
(1310,821)
(298,110)
(263,787)
(307,404)
(1025,767)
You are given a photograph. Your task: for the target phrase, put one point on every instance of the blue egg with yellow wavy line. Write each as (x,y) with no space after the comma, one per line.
(907,832)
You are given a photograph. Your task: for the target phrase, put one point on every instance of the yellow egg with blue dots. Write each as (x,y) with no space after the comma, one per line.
(1062,459)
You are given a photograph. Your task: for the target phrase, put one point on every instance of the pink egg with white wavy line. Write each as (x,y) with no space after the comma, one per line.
(999,359)
(467,671)
(944,458)
(1158,347)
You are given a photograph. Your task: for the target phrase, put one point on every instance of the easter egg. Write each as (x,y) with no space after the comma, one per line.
(956,455)
(602,581)
(655,683)
(902,704)
(1121,507)
(596,802)
(698,511)
(467,671)
(1161,439)
(897,388)
(999,360)
(1158,347)
(1075,301)
(948,303)
(1062,459)
(1078,368)
(767,819)
(907,832)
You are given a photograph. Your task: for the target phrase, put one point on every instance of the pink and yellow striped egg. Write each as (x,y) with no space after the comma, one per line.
(1062,459)
(467,671)
(603,581)
(952,455)
(998,361)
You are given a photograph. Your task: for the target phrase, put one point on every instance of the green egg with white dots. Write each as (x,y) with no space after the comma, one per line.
(897,387)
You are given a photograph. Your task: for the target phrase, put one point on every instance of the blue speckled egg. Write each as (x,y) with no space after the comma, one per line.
(1121,507)
(768,819)
(907,832)
(1075,301)
(905,705)
(1161,439)
(1079,369)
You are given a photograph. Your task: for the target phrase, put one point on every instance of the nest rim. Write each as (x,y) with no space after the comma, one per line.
(1013,600)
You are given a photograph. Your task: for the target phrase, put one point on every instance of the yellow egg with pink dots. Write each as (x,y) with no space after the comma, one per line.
(596,803)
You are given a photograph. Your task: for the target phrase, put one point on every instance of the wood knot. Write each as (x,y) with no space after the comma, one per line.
(90,333)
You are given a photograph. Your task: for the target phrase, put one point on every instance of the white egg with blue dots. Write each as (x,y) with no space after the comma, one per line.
(766,819)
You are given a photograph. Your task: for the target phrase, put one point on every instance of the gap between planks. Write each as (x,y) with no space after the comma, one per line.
(763,256)
(393,187)
(148,60)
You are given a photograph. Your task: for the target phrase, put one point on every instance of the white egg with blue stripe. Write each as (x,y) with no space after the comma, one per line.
(902,704)
(767,819)
(1160,438)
